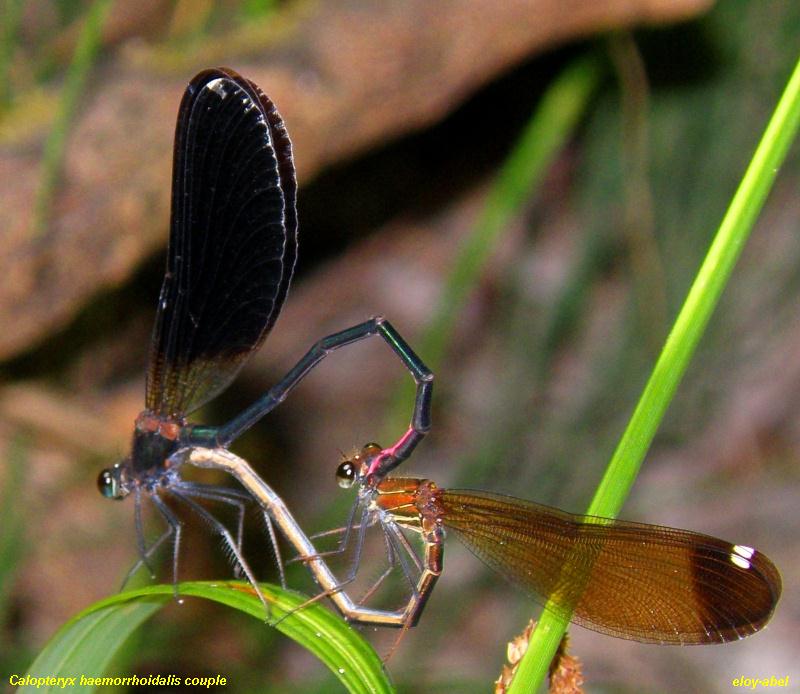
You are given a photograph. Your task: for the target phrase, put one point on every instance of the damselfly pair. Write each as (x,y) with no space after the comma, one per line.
(232,251)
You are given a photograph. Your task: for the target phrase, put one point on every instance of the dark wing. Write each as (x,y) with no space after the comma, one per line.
(232,245)
(630,580)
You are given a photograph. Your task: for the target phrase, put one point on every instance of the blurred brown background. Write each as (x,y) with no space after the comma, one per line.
(402,114)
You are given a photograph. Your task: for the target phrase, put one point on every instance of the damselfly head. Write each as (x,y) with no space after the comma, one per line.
(354,469)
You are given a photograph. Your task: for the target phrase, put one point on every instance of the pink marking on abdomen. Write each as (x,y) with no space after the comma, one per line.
(390,452)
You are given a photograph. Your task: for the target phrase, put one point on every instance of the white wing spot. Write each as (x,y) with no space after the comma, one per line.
(741,562)
(218,86)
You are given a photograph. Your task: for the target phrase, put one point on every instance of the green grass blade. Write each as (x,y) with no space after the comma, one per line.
(86,644)
(677,352)
(549,128)
(85,52)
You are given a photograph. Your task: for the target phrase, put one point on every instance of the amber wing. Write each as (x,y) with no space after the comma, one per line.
(630,580)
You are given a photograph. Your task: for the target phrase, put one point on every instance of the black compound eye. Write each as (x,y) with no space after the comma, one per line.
(111,483)
(107,484)
(346,474)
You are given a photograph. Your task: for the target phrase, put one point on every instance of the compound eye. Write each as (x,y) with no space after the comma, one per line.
(111,482)
(346,474)
(107,484)
(370,450)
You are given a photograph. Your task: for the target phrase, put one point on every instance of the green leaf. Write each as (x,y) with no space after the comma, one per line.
(85,645)
(677,352)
